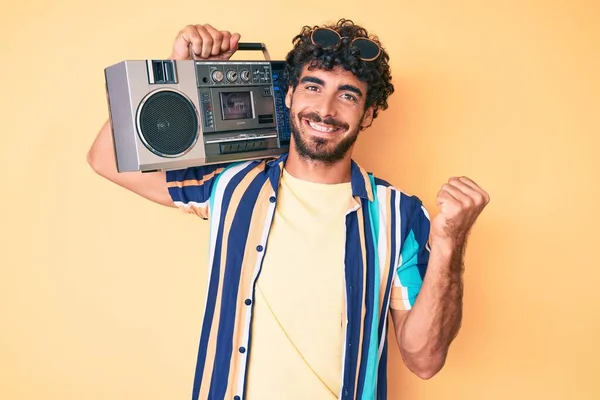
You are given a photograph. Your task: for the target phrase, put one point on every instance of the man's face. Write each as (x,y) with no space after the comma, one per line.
(327,111)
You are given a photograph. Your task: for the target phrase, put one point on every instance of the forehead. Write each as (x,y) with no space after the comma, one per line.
(335,77)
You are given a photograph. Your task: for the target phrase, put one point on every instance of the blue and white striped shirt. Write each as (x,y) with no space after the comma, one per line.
(386,255)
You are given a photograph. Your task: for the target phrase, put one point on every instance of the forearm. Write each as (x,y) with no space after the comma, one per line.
(434,321)
(150,185)
(101,155)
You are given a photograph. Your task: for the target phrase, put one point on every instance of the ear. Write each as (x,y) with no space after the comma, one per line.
(367,119)
(288,97)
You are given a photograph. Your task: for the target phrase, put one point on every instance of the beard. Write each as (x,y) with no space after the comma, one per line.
(318,148)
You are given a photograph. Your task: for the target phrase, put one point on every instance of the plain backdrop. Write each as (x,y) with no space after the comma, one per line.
(102,292)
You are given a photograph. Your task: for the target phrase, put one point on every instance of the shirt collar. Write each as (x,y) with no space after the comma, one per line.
(360,179)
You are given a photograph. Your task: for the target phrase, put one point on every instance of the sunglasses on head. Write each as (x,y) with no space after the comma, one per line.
(328,38)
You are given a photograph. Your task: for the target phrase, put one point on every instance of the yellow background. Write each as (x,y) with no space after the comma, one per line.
(101,292)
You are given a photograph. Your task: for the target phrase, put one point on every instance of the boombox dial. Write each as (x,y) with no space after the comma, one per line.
(217,76)
(245,75)
(232,75)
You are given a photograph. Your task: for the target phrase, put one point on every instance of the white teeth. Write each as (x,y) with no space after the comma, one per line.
(321,128)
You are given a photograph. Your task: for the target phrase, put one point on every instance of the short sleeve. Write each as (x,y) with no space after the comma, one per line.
(413,261)
(191,188)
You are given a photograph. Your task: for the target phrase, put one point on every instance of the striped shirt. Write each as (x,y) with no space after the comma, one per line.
(385,257)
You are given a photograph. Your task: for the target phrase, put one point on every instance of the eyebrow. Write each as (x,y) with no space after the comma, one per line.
(351,88)
(318,81)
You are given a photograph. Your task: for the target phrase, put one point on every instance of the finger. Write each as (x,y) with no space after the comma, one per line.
(475,187)
(444,197)
(467,190)
(181,47)
(225,42)
(469,182)
(458,195)
(217,38)
(191,35)
(207,41)
(234,42)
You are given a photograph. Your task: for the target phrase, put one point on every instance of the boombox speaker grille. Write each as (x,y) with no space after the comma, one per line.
(168,123)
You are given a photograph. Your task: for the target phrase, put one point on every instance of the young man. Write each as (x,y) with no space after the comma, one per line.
(309,253)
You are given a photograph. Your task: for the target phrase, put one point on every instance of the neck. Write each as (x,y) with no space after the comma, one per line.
(318,171)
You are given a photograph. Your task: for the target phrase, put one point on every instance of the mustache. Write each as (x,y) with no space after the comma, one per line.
(316,118)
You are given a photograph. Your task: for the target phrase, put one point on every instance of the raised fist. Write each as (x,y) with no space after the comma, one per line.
(460,201)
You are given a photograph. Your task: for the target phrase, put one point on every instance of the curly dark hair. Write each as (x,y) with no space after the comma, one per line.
(376,74)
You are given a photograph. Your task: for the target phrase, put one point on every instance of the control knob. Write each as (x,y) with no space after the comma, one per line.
(245,75)
(232,75)
(217,76)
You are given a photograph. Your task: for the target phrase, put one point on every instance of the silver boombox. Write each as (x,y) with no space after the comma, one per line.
(170,114)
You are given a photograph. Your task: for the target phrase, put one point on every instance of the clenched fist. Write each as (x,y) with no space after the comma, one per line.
(204,42)
(460,201)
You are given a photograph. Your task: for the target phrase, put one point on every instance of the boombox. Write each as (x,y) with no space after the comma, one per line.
(172,114)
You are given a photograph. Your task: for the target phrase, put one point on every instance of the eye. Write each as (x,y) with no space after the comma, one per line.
(350,97)
(311,88)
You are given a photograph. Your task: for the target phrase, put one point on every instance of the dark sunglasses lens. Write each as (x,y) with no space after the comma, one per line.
(325,38)
(368,49)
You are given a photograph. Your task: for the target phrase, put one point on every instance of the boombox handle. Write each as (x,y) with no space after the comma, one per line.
(255,46)
(245,46)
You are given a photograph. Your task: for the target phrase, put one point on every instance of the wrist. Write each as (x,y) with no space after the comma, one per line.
(446,246)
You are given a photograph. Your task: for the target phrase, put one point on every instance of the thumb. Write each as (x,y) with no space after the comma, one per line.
(440,200)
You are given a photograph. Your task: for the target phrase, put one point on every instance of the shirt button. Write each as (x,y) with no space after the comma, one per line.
(272,199)
(236,398)
(242,350)
(248,302)
(259,248)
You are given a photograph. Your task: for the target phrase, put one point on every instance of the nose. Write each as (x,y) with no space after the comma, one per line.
(326,106)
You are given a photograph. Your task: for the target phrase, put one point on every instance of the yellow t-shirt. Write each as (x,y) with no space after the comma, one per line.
(297,327)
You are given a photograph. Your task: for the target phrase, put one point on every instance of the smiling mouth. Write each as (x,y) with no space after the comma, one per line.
(321,128)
